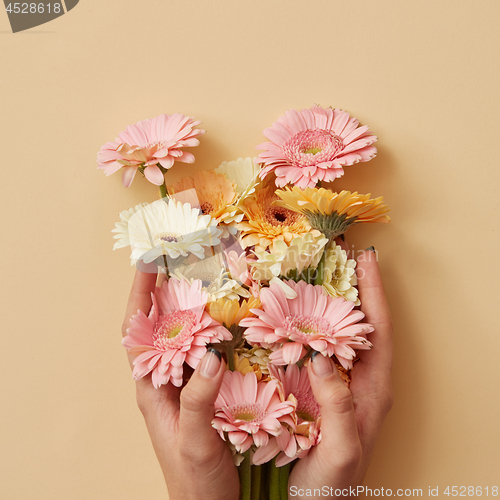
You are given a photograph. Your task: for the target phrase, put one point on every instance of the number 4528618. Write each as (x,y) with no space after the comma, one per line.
(471,491)
(34,8)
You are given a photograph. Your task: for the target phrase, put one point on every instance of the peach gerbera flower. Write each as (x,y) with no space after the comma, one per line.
(312,319)
(266,222)
(313,145)
(332,213)
(247,412)
(295,382)
(176,330)
(212,192)
(150,146)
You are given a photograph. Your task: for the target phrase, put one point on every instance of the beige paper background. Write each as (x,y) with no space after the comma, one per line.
(423,75)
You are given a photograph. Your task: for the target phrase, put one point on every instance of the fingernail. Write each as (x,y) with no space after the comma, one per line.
(210,363)
(322,365)
(372,249)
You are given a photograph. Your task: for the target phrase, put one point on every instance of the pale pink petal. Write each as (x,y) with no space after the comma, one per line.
(292,352)
(283,459)
(266,453)
(261,438)
(128,175)
(154,175)
(166,162)
(186,157)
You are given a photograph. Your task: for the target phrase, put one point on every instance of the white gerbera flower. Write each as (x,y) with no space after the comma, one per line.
(121,227)
(340,274)
(172,229)
(214,276)
(244,172)
(281,259)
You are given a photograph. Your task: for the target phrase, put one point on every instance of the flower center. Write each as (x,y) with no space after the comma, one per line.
(167,238)
(206,208)
(279,216)
(307,325)
(310,147)
(173,328)
(247,412)
(157,145)
(307,407)
(206,279)
(312,151)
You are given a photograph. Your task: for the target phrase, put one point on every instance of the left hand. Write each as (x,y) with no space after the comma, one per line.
(195,461)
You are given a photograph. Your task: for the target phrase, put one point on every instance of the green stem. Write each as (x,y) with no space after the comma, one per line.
(166,265)
(256,477)
(284,474)
(230,357)
(274,484)
(319,270)
(264,481)
(245,473)
(163,190)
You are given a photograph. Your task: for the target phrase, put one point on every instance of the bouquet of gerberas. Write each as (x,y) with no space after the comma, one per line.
(254,269)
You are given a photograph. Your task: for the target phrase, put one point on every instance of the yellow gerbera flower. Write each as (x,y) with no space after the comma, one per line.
(332,213)
(266,222)
(213,192)
(230,312)
(259,356)
(244,365)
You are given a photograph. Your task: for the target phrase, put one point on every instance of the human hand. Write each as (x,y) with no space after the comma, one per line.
(351,419)
(195,461)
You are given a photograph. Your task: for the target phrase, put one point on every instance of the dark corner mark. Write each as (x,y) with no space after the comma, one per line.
(28,14)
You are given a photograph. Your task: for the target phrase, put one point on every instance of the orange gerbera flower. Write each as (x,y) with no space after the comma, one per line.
(266,222)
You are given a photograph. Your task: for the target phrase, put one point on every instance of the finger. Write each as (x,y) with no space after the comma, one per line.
(162,277)
(140,296)
(338,421)
(198,398)
(374,305)
(139,299)
(341,242)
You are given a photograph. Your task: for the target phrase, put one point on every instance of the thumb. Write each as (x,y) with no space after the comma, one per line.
(197,400)
(339,430)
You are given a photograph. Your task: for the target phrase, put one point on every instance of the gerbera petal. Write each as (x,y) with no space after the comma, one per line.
(128,175)
(154,175)
(292,352)
(266,453)
(186,157)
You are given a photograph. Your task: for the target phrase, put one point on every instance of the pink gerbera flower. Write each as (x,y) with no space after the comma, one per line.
(311,319)
(152,146)
(248,412)
(313,145)
(295,382)
(176,330)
